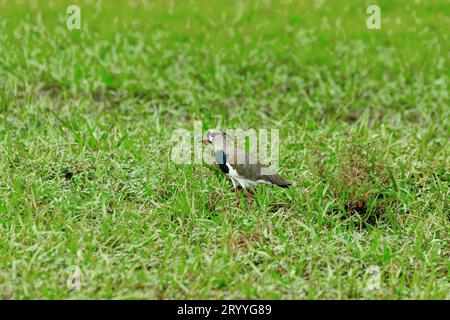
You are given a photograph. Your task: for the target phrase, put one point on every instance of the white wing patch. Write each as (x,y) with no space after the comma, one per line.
(236,178)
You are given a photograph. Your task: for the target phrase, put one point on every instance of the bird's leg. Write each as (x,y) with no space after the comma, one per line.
(235,186)
(249,198)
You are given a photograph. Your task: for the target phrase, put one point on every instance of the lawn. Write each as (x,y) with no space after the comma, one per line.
(92,207)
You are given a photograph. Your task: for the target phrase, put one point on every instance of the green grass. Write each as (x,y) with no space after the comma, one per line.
(86,119)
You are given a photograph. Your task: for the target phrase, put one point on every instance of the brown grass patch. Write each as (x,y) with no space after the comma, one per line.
(360,180)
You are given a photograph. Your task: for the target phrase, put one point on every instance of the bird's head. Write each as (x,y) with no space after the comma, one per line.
(214,136)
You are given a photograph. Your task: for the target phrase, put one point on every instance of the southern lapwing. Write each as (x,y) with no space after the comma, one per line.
(242,168)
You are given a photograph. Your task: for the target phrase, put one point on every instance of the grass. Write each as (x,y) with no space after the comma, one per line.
(87,185)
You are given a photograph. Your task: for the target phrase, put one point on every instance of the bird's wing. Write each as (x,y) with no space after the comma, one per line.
(249,168)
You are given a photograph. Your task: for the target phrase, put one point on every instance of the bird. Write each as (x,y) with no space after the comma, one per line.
(241,167)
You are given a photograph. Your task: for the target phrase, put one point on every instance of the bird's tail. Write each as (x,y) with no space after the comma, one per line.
(278,180)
